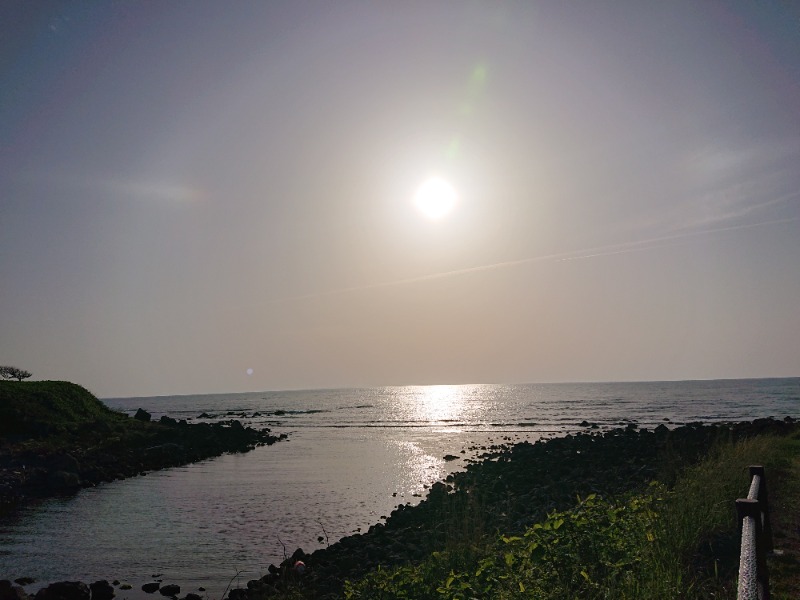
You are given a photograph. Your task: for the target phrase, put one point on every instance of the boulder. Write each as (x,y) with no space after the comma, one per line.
(142,415)
(170,590)
(65,462)
(149,588)
(64,590)
(169,421)
(101,590)
(237,594)
(11,592)
(63,480)
(164,451)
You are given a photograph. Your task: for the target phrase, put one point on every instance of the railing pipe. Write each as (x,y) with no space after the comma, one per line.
(753,516)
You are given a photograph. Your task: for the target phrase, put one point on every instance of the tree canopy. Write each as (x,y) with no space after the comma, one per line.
(14,373)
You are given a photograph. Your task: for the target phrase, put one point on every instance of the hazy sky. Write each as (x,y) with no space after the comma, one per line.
(192,190)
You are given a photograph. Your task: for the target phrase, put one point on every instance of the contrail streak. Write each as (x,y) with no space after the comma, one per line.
(653,243)
(608,250)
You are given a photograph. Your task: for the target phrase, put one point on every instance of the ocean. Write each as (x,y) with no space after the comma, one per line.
(352,456)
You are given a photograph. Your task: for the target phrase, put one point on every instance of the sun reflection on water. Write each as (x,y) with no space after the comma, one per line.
(444,403)
(438,406)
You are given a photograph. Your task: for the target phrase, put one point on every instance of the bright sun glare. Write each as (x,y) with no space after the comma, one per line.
(435,198)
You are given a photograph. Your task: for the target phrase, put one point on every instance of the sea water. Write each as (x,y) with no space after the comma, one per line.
(352,456)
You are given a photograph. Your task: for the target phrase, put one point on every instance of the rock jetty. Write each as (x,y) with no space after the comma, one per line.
(56,438)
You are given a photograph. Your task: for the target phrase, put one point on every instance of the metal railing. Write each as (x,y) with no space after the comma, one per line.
(753,516)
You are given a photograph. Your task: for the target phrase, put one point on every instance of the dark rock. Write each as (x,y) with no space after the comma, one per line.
(237,594)
(149,588)
(24,581)
(193,596)
(169,421)
(449,457)
(170,590)
(12,592)
(142,415)
(125,586)
(65,462)
(63,480)
(101,590)
(164,451)
(298,555)
(64,590)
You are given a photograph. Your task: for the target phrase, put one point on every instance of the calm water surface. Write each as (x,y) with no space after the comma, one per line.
(352,457)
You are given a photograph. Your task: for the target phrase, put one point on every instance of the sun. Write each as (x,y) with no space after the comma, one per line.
(435,198)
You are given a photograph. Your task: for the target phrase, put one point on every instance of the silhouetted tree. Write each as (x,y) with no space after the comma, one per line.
(14,373)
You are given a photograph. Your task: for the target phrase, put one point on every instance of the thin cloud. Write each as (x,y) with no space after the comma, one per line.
(738,210)
(600,251)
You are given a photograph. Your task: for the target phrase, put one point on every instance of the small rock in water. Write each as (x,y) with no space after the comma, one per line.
(149,588)
(170,590)
(24,581)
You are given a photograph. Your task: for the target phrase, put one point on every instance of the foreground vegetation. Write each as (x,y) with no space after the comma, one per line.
(661,542)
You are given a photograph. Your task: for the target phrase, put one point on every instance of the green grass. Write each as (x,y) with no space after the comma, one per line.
(658,543)
(784,565)
(44,407)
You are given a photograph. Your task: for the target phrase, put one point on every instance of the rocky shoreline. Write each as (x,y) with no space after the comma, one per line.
(511,487)
(56,437)
(38,471)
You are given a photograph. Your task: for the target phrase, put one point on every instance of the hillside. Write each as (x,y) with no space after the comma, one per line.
(38,408)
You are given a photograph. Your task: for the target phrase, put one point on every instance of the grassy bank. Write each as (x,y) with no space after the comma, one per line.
(662,541)
(38,409)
